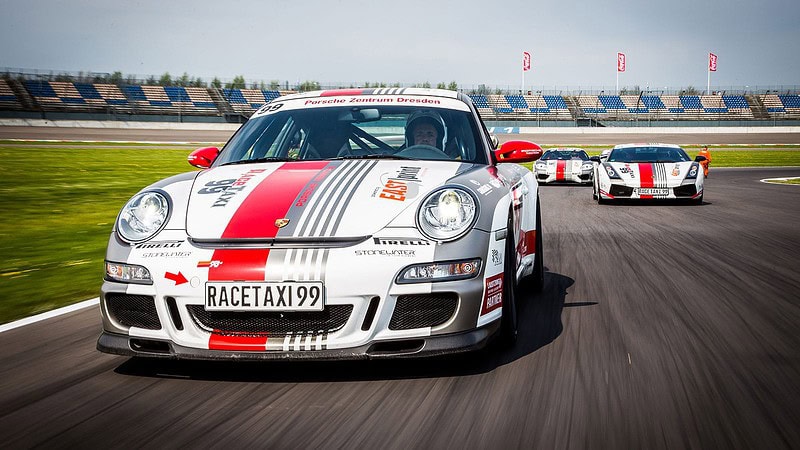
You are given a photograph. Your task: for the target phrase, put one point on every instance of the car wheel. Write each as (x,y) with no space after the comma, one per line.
(537,277)
(698,200)
(508,327)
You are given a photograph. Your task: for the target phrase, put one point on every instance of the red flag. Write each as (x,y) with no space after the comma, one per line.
(620,62)
(712,62)
(526,61)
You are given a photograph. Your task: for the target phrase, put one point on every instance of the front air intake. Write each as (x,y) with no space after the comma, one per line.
(133,310)
(423,310)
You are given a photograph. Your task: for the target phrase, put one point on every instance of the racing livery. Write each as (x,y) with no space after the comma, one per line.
(324,230)
(648,171)
(564,165)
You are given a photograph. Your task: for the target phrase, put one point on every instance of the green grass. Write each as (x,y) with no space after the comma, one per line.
(59,203)
(58,207)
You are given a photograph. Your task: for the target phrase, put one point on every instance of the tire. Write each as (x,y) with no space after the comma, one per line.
(698,200)
(536,278)
(508,324)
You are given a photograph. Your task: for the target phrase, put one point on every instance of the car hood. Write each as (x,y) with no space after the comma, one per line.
(308,199)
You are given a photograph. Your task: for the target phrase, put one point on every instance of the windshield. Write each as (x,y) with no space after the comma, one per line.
(565,155)
(348,132)
(648,154)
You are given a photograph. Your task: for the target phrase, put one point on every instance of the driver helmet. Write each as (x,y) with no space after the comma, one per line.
(426,116)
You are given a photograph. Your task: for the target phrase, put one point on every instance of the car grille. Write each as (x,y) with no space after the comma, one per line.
(621,191)
(419,311)
(687,190)
(133,310)
(331,319)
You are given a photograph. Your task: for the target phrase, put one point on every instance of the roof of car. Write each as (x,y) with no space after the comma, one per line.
(373,91)
(647,144)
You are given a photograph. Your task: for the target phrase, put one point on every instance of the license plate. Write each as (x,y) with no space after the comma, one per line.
(265,296)
(653,191)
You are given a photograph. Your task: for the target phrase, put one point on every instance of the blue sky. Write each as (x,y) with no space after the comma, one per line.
(574,44)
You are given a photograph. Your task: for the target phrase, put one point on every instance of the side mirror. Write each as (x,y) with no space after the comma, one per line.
(700,158)
(594,158)
(495,141)
(203,157)
(518,152)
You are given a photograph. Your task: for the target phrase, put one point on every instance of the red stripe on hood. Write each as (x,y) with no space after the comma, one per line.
(561,166)
(255,218)
(646,178)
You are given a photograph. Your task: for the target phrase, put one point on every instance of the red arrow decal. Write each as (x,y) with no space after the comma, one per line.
(178,278)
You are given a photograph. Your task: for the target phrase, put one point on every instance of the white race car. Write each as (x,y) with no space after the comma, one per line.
(360,223)
(559,165)
(648,171)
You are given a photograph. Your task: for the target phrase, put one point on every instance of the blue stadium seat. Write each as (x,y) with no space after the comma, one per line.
(653,102)
(517,101)
(555,102)
(177,94)
(234,96)
(40,88)
(480,100)
(691,102)
(611,102)
(88,91)
(135,93)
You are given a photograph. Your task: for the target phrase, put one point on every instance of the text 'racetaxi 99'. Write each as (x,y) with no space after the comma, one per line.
(342,224)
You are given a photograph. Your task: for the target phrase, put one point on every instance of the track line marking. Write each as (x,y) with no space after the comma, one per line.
(49,314)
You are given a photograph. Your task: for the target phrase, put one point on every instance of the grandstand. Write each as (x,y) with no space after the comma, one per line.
(36,95)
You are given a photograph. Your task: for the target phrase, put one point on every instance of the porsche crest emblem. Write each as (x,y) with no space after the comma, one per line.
(280,223)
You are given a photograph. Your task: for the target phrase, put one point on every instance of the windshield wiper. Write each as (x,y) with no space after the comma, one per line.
(375,156)
(259,160)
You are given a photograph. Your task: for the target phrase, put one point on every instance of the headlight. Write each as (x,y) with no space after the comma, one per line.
(441,271)
(127,273)
(693,171)
(540,166)
(446,214)
(143,216)
(587,166)
(610,171)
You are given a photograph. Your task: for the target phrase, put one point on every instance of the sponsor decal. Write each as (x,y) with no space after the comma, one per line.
(213,263)
(236,187)
(676,170)
(404,184)
(215,187)
(496,183)
(493,294)
(159,244)
(178,278)
(485,189)
(381,252)
(368,99)
(496,260)
(400,241)
(166,254)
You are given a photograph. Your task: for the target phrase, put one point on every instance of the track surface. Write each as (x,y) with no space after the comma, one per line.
(660,326)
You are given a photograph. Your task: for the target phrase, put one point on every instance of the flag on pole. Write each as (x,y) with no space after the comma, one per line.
(712,62)
(526,61)
(620,62)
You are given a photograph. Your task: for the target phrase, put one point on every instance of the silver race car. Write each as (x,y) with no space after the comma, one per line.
(343,224)
(564,165)
(648,171)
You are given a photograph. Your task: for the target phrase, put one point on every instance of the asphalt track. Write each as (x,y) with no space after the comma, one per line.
(660,326)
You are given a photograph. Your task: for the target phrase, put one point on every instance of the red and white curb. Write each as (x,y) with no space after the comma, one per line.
(50,314)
